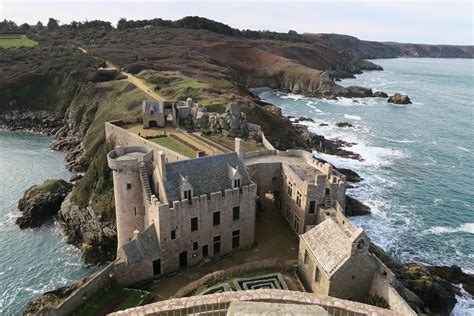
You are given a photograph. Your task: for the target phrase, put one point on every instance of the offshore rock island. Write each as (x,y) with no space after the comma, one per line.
(180,169)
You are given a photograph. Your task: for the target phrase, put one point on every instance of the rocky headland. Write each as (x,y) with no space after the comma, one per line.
(41,202)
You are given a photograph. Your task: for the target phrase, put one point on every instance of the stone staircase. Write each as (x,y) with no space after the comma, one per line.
(327,202)
(145,181)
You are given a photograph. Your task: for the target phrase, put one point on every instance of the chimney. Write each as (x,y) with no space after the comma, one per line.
(162,165)
(239,147)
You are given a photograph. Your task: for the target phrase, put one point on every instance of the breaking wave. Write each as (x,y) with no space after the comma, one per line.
(464,228)
(352,117)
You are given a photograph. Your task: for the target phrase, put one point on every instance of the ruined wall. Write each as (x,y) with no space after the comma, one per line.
(131,273)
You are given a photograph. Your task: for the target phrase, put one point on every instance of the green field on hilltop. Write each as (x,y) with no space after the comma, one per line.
(15,40)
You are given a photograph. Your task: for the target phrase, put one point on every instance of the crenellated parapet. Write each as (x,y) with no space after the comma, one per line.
(129,157)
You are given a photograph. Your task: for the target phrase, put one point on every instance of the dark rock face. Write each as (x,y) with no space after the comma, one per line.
(351,175)
(355,207)
(380,94)
(455,275)
(95,234)
(429,293)
(344,124)
(32,121)
(301,119)
(41,202)
(399,98)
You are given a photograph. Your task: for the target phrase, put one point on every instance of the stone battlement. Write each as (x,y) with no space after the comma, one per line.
(128,157)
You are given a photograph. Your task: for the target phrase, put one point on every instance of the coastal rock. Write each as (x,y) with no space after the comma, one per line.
(344,124)
(399,98)
(95,234)
(380,94)
(301,119)
(355,207)
(351,175)
(33,121)
(437,294)
(455,275)
(323,124)
(52,298)
(41,202)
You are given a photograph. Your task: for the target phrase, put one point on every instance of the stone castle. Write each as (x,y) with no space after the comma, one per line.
(172,214)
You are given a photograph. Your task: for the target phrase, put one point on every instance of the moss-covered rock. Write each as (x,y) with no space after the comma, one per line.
(41,202)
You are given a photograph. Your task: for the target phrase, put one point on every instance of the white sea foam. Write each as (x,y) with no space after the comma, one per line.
(462,148)
(352,117)
(464,228)
(401,141)
(292,96)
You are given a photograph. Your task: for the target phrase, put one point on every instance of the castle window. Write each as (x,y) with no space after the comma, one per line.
(288,211)
(317,275)
(195,246)
(305,256)
(216,218)
(235,239)
(135,210)
(187,195)
(290,189)
(360,244)
(129,186)
(173,234)
(236,183)
(194,224)
(296,225)
(312,207)
(217,245)
(236,213)
(298,199)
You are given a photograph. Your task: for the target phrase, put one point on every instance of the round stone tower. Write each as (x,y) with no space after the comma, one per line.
(131,166)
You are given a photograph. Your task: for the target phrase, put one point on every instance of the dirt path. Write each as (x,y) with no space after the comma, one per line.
(137,82)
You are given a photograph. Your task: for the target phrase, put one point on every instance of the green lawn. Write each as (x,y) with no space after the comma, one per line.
(174,145)
(15,40)
(111,299)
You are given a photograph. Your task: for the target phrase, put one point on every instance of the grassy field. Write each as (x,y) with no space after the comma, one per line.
(110,299)
(174,145)
(15,40)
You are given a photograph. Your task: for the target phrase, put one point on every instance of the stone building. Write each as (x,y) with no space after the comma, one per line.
(159,113)
(334,259)
(174,214)
(306,190)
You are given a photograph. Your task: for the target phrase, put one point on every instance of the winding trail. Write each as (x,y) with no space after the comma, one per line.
(137,82)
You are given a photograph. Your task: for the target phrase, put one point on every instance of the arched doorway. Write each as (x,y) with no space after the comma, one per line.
(153,124)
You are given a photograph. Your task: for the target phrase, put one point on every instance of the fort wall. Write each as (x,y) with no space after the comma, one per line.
(80,295)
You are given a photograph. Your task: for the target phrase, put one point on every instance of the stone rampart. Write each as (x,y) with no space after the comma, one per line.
(220,302)
(82,294)
(124,138)
(267,143)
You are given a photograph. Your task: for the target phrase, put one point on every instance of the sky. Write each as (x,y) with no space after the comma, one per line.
(421,21)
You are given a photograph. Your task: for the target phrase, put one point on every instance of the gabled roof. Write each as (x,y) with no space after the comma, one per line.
(330,244)
(206,174)
(145,246)
(149,105)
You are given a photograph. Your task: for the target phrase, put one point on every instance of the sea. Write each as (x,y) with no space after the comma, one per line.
(32,261)
(418,159)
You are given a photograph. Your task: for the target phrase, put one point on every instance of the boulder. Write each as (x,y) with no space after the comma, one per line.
(399,98)
(455,275)
(380,94)
(351,175)
(41,202)
(355,207)
(344,124)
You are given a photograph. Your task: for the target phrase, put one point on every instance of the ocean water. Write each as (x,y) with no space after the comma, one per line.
(418,163)
(32,261)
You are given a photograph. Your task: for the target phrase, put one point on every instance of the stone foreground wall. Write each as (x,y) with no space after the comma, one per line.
(221,301)
(82,294)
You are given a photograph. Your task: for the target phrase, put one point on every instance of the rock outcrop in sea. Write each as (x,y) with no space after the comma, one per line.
(399,98)
(41,202)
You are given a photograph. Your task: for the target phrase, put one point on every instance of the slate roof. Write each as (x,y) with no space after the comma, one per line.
(156,106)
(206,174)
(145,246)
(330,244)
